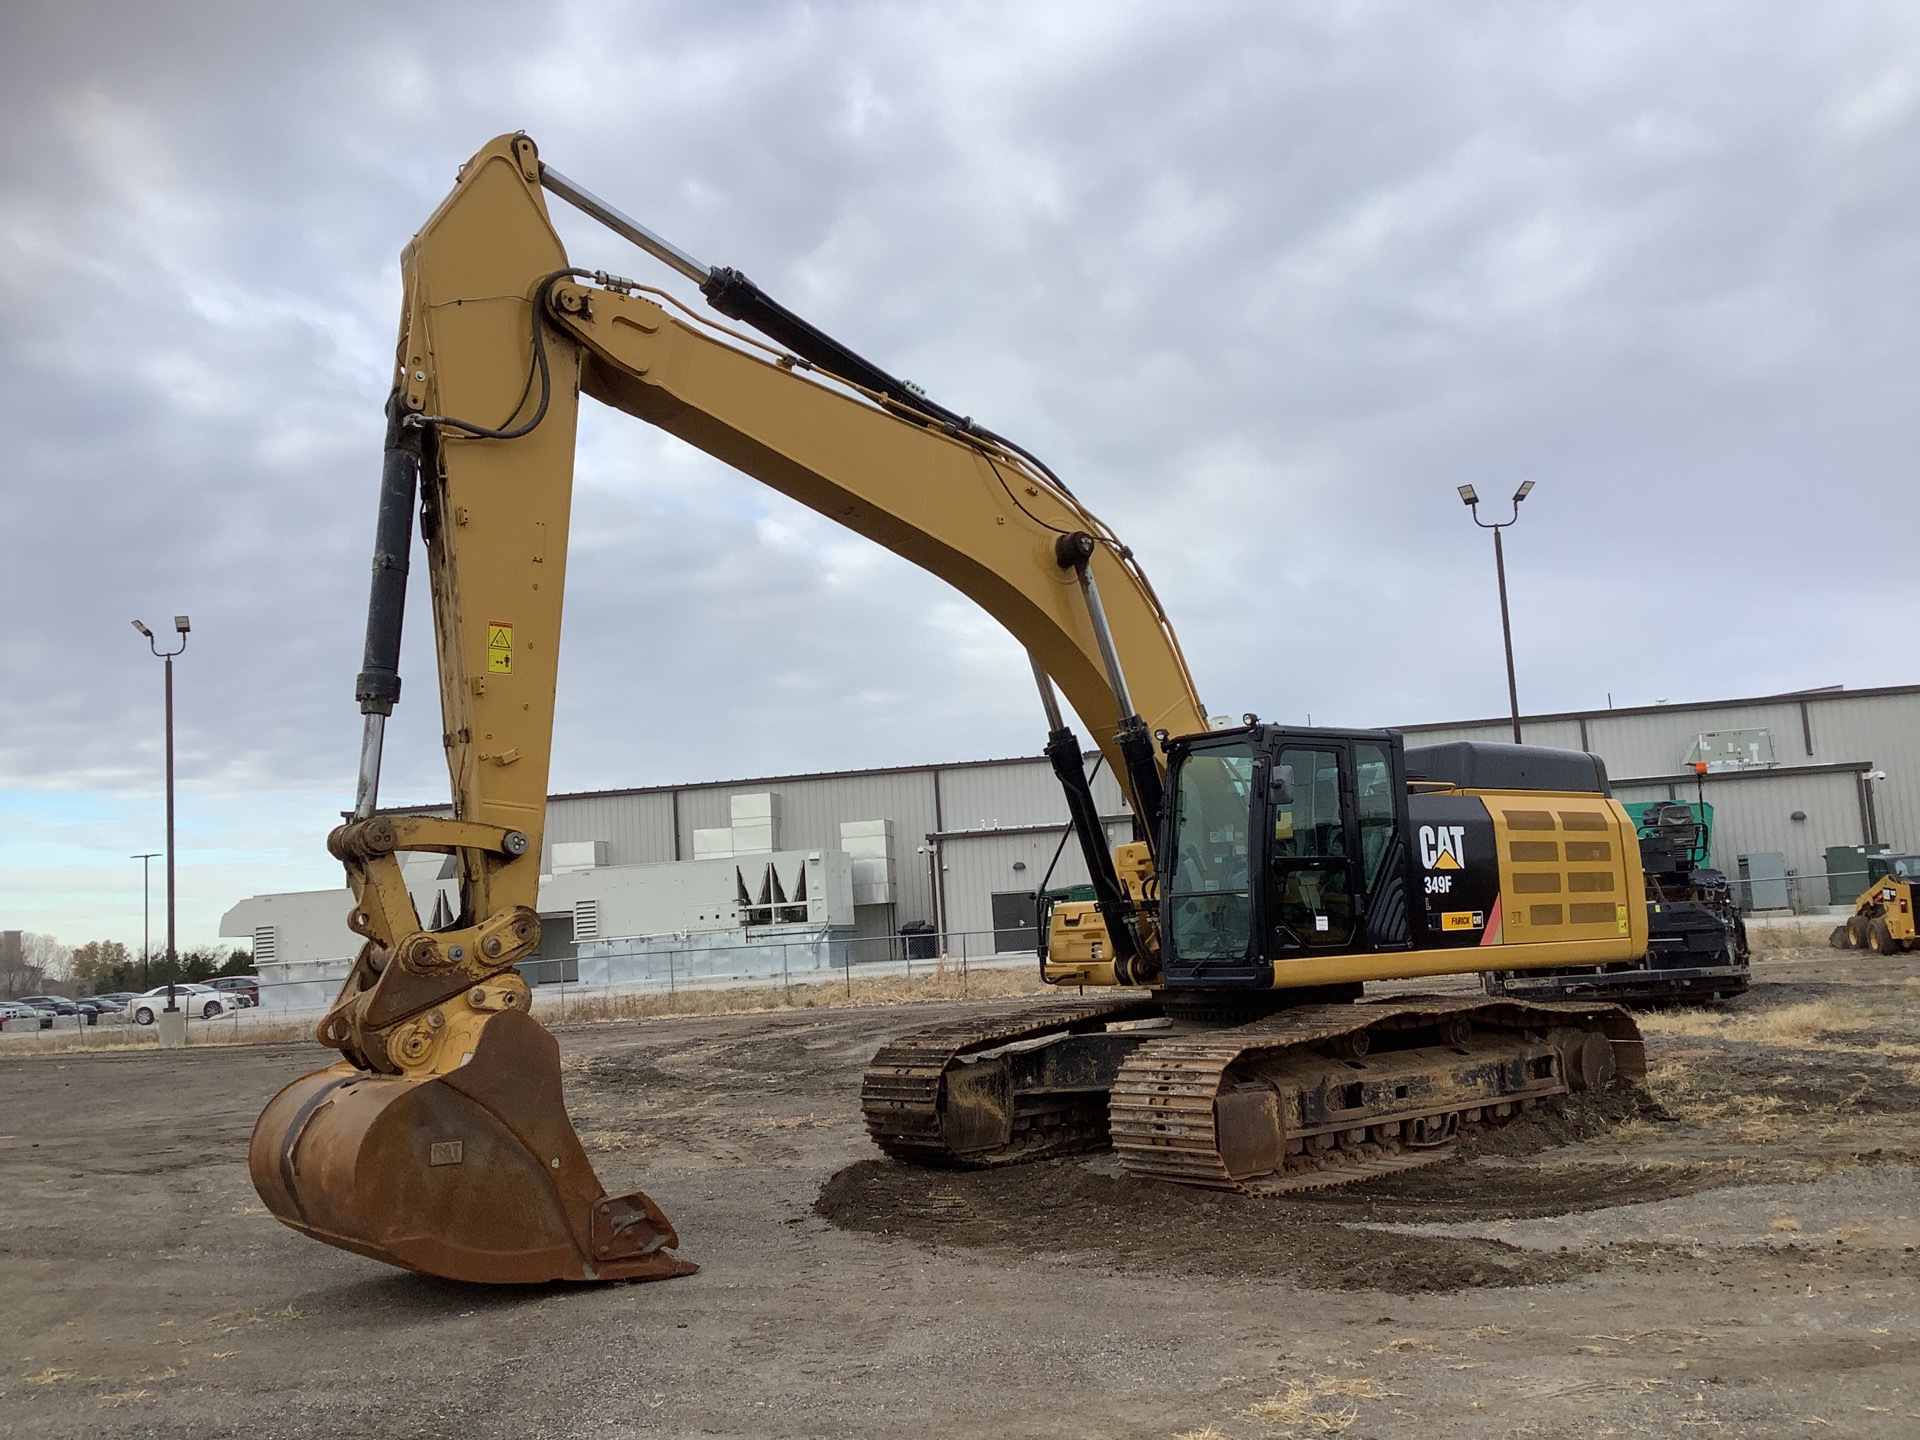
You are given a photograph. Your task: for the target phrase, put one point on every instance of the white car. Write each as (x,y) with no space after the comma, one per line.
(201,1002)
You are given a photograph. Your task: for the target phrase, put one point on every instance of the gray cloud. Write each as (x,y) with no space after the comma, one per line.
(1265,284)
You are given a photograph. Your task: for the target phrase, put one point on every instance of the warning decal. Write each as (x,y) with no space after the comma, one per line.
(499,647)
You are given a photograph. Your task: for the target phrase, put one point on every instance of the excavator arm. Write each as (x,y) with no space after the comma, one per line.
(440,1141)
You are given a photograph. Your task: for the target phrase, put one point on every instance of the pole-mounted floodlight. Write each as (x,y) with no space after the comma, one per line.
(181,625)
(1471,500)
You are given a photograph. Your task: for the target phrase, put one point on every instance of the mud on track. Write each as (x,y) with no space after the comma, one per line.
(1732,1257)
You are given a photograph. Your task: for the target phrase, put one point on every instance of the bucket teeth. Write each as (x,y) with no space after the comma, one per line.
(472,1175)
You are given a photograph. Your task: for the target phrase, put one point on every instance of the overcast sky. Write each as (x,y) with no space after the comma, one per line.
(1264,282)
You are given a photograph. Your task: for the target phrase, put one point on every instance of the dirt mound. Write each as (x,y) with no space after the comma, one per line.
(1085,1208)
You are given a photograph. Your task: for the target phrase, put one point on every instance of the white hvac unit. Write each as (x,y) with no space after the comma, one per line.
(755,829)
(756,823)
(869,848)
(713,844)
(572,855)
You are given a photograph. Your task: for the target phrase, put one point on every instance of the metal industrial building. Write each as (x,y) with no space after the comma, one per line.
(961,848)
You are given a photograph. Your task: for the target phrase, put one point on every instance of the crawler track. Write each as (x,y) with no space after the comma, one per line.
(1263,1108)
(901,1094)
(1166,1113)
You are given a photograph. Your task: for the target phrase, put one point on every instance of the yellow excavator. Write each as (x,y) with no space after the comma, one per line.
(1274,870)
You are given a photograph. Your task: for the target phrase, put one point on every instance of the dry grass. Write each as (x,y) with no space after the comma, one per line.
(1788,1025)
(938,982)
(1324,1404)
(1797,935)
(95,1038)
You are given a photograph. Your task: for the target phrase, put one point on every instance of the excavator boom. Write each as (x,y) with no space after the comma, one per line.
(440,1140)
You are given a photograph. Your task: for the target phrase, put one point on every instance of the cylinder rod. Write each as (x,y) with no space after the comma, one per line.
(627,228)
(1048,700)
(1109,656)
(366,794)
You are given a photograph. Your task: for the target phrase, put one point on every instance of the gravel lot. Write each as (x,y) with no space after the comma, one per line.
(1735,1256)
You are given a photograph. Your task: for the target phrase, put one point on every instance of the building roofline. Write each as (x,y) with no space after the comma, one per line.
(630,790)
(1757,772)
(1789,697)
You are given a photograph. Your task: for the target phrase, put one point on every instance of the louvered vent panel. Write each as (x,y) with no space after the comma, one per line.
(266,941)
(586,920)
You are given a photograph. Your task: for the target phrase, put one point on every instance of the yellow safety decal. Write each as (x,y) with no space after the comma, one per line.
(499,647)
(1620,917)
(1461,920)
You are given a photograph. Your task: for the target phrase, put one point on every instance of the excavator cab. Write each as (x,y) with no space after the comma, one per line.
(1280,843)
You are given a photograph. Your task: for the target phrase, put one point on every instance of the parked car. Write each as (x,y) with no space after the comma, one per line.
(201,1002)
(58,1004)
(244,988)
(20,1010)
(115,999)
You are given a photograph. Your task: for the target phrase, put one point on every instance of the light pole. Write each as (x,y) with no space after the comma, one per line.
(1472,502)
(146,912)
(181,626)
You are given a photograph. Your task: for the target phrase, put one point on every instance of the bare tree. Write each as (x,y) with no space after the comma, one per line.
(49,954)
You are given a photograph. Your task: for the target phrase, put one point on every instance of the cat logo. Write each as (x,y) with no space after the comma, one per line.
(1443,847)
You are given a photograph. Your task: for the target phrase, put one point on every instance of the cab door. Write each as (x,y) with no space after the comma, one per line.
(1310,880)
(1336,850)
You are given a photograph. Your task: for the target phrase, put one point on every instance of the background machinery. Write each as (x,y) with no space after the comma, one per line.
(1274,870)
(1883,916)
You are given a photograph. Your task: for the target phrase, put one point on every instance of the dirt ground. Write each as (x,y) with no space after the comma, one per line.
(1732,1255)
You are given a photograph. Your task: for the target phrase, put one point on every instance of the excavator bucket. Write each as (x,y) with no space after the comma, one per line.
(475,1174)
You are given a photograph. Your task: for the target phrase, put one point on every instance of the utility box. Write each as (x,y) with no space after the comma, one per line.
(1763,882)
(1847,871)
